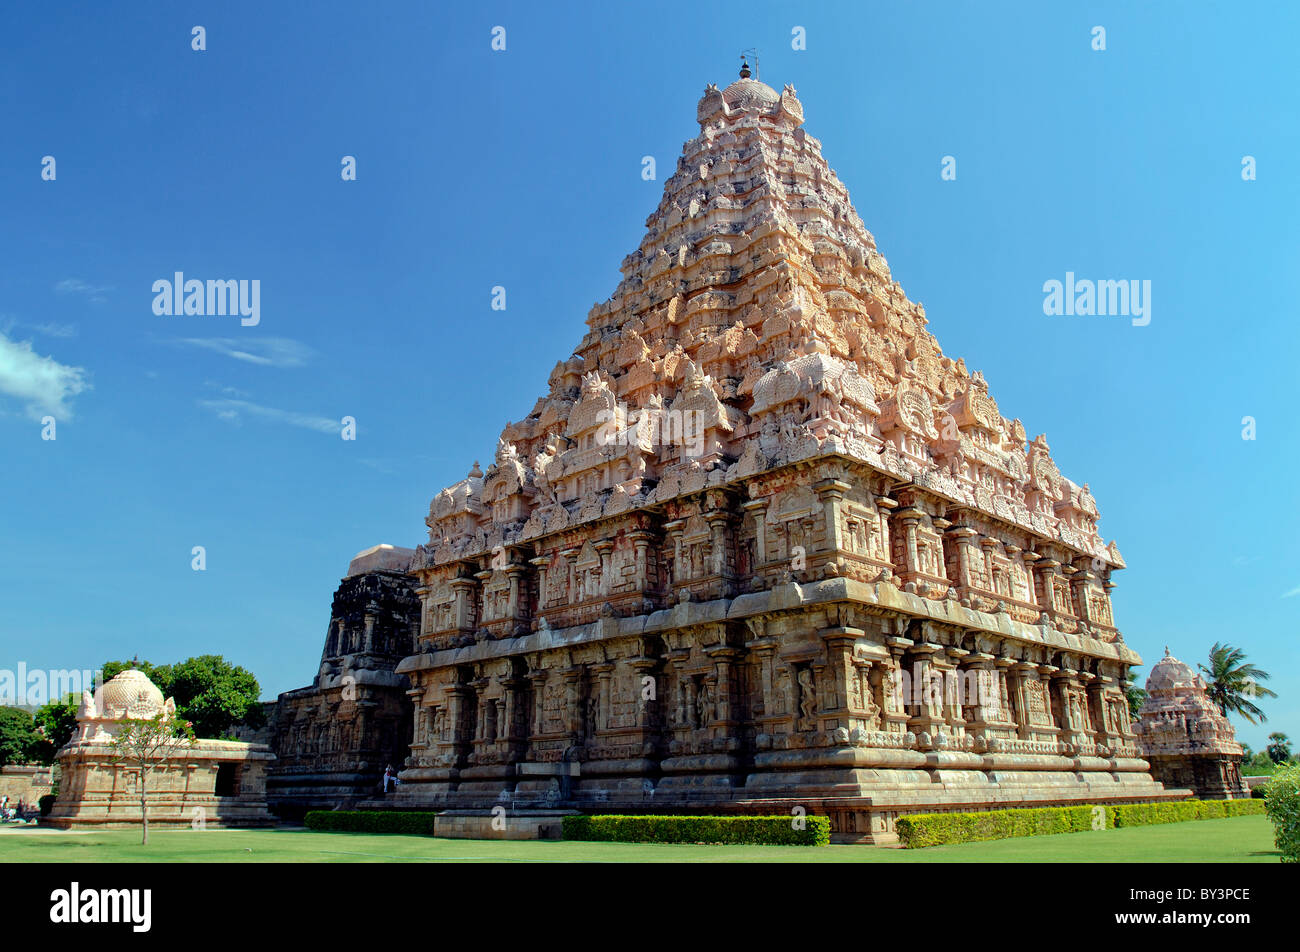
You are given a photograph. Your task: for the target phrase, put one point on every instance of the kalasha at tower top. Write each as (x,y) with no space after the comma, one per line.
(759,307)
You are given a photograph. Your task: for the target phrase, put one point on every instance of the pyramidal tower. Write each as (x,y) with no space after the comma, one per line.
(761,543)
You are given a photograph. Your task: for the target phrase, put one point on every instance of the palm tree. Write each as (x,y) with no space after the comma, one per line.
(1231,681)
(1279,747)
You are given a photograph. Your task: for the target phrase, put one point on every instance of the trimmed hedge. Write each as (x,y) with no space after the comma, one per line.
(370,821)
(935,829)
(1146,814)
(1282,801)
(713,830)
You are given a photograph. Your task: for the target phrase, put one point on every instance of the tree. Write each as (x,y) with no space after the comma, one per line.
(1136,698)
(209,691)
(56,722)
(1231,681)
(19,738)
(143,744)
(215,695)
(1279,747)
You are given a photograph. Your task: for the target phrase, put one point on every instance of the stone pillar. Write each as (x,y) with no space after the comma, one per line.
(541,564)
(538,679)
(965,544)
(571,592)
(724,660)
(478,686)
(485,613)
(980,677)
(647,708)
(893,684)
(1081,583)
(464,610)
(987,546)
(641,542)
(1020,673)
(457,713)
(420,732)
(763,650)
(573,701)
(673,537)
(516,606)
(910,518)
(1047,570)
(719,544)
(831,492)
(604,676)
(758,509)
(603,548)
(884,506)
(927,716)
(423,592)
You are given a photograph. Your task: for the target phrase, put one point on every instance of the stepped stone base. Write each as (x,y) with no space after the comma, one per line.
(485,825)
(863,805)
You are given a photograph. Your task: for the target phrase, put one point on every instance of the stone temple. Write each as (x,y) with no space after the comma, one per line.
(334,738)
(215,783)
(760,545)
(1185,737)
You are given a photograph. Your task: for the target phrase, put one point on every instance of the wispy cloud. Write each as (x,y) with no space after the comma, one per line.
(42,383)
(46,329)
(227,391)
(1291,594)
(384,466)
(263,351)
(234,411)
(77,286)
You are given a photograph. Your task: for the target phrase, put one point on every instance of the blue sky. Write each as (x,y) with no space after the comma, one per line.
(523,169)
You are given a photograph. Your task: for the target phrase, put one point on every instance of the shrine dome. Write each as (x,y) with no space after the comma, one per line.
(130,694)
(1170,673)
(751,94)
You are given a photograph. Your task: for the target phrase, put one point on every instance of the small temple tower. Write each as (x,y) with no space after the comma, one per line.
(333,738)
(212,783)
(1185,737)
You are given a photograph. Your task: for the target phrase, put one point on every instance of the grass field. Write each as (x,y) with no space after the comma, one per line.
(1238,840)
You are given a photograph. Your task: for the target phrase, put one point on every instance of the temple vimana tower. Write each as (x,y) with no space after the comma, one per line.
(761,545)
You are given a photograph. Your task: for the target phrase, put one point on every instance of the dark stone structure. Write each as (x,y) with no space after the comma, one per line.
(334,738)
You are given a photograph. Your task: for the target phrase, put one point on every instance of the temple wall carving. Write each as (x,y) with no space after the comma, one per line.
(334,738)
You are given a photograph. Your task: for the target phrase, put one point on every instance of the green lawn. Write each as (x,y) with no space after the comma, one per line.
(1246,839)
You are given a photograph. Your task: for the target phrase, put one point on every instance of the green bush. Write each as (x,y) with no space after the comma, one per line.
(935,829)
(370,821)
(1282,801)
(1146,814)
(728,830)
